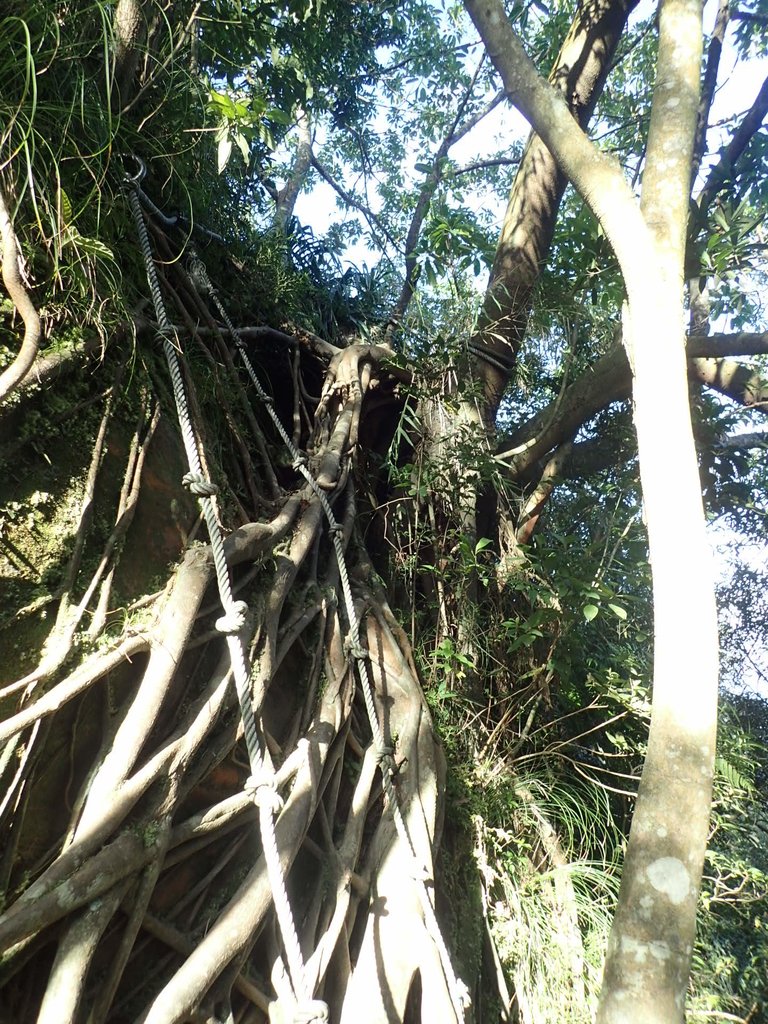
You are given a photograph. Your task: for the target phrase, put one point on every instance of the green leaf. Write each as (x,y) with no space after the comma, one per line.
(223,153)
(89,246)
(223,103)
(242,145)
(590,611)
(720,219)
(279,116)
(618,610)
(430,272)
(732,775)
(66,208)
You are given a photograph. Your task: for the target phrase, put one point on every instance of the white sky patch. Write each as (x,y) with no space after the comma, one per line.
(740,82)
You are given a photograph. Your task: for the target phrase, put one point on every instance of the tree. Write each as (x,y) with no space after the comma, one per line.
(414,500)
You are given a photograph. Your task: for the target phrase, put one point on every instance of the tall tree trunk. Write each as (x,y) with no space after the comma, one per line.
(649,956)
(649,951)
(129,28)
(579,74)
(289,193)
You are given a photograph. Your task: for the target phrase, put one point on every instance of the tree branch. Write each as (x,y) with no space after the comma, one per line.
(606,381)
(756,439)
(19,368)
(480,165)
(429,187)
(709,83)
(743,384)
(458,133)
(716,346)
(373,221)
(609,380)
(537,501)
(289,193)
(720,173)
(578,74)
(753,16)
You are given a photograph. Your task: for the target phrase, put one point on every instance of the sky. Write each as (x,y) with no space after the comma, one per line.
(740,85)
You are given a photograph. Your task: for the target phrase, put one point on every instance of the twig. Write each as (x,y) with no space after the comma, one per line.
(374,222)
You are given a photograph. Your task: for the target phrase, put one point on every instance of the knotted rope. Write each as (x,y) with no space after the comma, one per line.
(230,624)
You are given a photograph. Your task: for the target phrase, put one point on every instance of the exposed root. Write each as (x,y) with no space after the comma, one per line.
(153,885)
(20,367)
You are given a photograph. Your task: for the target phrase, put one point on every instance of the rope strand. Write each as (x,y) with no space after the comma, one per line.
(262,784)
(458,991)
(231,624)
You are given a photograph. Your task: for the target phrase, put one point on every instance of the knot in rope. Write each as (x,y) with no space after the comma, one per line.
(262,789)
(419,873)
(198,275)
(335,528)
(233,620)
(261,786)
(384,752)
(313,1011)
(355,649)
(385,759)
(199,485)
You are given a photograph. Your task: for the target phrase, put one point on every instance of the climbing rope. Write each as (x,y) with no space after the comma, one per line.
(384,752)
(262,785)
(176,219)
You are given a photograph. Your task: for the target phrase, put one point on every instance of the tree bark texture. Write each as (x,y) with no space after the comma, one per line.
(117,879)
(644,981)
(129,27)
(137,878)
(579,75)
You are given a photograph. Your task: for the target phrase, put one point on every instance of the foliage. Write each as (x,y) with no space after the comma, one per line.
(732,949)
(535,655)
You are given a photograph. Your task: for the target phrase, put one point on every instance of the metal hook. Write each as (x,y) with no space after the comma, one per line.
(134,179)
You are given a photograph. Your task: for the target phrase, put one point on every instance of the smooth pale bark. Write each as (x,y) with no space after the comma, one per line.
(650,949)
(650,945)
(674,113)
